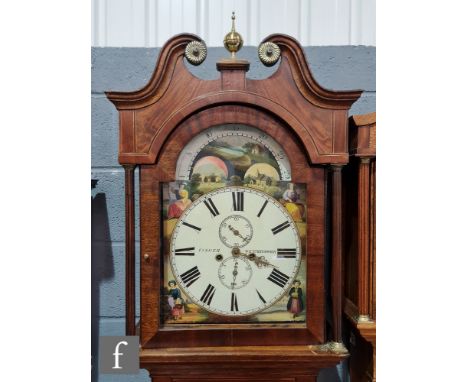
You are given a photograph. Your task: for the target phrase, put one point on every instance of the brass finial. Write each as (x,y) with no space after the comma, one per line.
(233,41)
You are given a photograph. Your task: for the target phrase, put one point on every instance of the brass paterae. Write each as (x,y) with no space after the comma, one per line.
(269,53)
(196,52)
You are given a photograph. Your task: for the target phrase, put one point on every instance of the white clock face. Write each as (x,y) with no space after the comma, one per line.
(235,251)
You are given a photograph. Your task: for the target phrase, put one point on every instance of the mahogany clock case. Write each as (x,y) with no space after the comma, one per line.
(152,176)
(310,122)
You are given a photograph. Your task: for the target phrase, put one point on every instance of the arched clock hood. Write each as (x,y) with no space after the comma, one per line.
(318,116)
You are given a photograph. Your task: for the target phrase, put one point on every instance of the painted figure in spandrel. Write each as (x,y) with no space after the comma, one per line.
(295,302)
(175,301)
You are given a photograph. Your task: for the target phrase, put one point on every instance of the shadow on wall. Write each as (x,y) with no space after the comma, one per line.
(102,268)
(331,375)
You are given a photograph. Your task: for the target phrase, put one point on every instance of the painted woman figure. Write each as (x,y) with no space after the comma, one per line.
(176,208)
(175,301)
(290,198)
(295,303)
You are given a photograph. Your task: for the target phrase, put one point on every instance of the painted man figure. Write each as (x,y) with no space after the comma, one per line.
(295,303)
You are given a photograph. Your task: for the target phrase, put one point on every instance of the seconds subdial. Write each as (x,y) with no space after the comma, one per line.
(235,272)
(235,231)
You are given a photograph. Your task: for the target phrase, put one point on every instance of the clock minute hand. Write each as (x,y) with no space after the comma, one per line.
(234,274)
(259,261)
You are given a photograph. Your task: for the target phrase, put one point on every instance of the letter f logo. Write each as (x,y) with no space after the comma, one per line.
(117,354)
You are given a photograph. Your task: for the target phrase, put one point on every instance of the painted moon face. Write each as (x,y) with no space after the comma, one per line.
(211,165)
(262,169)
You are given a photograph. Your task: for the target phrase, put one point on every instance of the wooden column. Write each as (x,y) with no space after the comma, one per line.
(337,252)
(372,244)
(363,238)
(129,250)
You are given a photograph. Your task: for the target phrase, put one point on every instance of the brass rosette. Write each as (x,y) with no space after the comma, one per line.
(269,53)
(195,52)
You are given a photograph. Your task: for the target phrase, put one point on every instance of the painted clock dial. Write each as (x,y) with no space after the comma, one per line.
(235,251)
(233,151)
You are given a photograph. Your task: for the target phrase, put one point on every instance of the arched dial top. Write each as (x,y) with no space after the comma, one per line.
(235,251)
(233,150)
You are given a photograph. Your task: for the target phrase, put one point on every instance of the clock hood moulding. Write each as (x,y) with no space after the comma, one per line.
(319,117)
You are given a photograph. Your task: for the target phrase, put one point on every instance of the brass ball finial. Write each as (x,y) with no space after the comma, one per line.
(233,40)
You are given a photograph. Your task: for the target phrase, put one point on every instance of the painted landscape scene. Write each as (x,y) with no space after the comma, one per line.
(235,161)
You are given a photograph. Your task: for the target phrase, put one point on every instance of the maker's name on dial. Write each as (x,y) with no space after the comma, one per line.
(217,250)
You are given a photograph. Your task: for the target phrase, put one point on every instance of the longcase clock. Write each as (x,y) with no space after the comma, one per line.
(360,248)
(240,181)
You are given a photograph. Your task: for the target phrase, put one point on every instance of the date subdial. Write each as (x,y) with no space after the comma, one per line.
(235,272)
(235,231)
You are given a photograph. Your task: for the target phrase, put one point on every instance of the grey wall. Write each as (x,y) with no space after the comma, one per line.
(337,68)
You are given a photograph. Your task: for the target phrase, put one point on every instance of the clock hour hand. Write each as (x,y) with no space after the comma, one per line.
(236,232)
